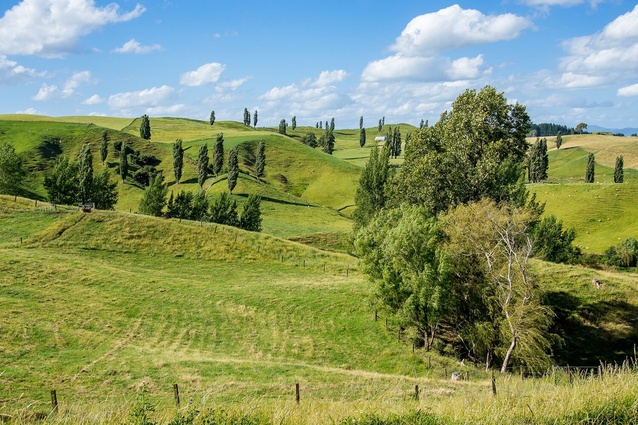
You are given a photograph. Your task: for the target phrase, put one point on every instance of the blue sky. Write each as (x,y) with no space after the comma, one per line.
(568,61)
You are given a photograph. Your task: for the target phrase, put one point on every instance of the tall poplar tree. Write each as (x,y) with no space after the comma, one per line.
(370,196)
(233,168)
(123,163)
(590,171)
(218,154)
(202,165)
(360,122)
(85,173)
(251,215)
(178,160)
(559,140)
(145,128)
(104,147)
(362,137)
(246,117)
(260,161)
(255,119)
(618,170)
(294,123)
(212,118)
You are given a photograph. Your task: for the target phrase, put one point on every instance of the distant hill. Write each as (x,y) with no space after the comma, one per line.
(628,131)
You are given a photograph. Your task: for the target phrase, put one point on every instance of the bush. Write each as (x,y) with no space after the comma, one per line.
(625,254)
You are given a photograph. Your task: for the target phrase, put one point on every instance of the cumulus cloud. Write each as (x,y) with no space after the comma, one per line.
(10,71)
(563,3)
(93,100)
(52,28)
(455,27)
(231,85)
(631,90)
(423,68)
(143,98)
(29,111)
(610,55)
(133,46)
(205,74)
(52,91)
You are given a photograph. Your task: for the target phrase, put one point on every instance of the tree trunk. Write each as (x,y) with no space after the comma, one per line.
(488,361)
(508,355)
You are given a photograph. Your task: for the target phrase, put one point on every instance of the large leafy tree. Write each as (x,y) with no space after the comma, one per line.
(104,190)
(370,196)
(154,198)
(145,128)
(218,154)
(474,151)
(618,170)
(233,168)
(11,169)
(178,160)
(62,184)
(400,252)
(202,165)
(251,214)
(260,161)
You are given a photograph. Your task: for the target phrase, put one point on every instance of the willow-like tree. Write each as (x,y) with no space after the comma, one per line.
(590,171)
(618,170)
(218,154)
(178,160)
(233,168)
(104,147)
(202,165)
(85,173)
(145,128)
(260,161)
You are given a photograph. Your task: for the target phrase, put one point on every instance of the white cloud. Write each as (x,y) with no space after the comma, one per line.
(327,78)
(205,74)
(563,3)
(52,28)
(48,92)
(423,68)
(10,71)
(133,46)
(143,98)
(231,85)
(631,90)
(455,27)
(166,110)
(30,111)
(93,100)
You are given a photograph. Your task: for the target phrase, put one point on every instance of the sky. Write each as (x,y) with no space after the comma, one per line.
(567,61)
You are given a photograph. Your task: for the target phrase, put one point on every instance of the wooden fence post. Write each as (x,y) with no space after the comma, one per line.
(493,384)
(176,394)
(54,401)
(297,392)
(416,392)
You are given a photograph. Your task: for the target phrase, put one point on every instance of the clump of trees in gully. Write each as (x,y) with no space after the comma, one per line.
(446,239)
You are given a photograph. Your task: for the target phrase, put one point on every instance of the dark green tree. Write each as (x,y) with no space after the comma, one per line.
(154,199)
(282,127)
(182,206)
(199,208)
(104,147)
(294,123)
(85,174)
(145,128)
(618,170)
(104,190)
(218,154)
(310,139)
(255,119)
(233,168)
(360,122)
(422,124)
(251,214)
(223,210)
(62,184)
(260,161)
(559,140)
(11,169)
(328,141)
(590,171)
(380,127)
(123,163)
(212,118)
(332,124)
(383,121)
(246,117)
(202,165)
(370,196)
(581,127)
(538,161)
(178,160)
(551,243)
(362,137)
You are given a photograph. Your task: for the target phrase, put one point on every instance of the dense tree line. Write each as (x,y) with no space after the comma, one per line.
(538,161)
(446,240)
(550,129)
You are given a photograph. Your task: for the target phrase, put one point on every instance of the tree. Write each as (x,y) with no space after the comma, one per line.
(332,124)
(251,214)
(218,154)
(233,168)
(581,127)
(145,128)
(370,196)
(618,170)
(123,163)
(260,161)
(282,127)
(104,191)
(422,124)
(380,127)
(400,252)
(104,147)
(85,173)
(310,139)
(246,117)
(223,210)
(489,248)
(328,141)
(360,122)
(212,118)
(559,140)
(538,161)
(255,119)
(294,123)
(199,206)
(362,137)
(154,199)
(477,150)
(551,243)
(178,160)
(11,169)
(202,165)
(590,171)
(62,184)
